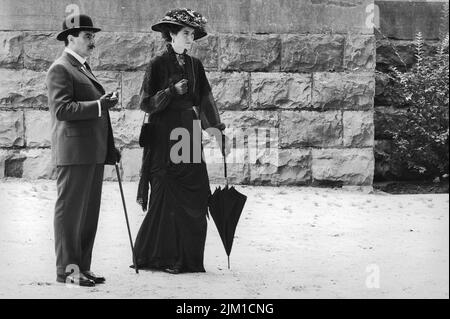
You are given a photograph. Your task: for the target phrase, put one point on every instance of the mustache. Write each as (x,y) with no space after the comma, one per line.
(92,46)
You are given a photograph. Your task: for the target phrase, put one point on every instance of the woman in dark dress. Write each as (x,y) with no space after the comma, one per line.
(176,94)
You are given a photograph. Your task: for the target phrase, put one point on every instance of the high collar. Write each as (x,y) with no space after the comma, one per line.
(172,51)
(78,57)
(178,60)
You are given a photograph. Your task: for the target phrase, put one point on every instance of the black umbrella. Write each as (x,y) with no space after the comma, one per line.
(225,207)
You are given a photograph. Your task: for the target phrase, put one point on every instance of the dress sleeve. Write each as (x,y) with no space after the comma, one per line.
(209,114)
(153,98)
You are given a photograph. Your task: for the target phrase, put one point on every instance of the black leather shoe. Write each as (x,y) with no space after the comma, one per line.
(173,270)
(75,279)
(95,278)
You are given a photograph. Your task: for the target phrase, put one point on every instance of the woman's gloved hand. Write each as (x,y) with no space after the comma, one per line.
(181,87)
(227,147)
(220,126)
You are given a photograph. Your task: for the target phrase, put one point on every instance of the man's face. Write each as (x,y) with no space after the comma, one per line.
(84,44)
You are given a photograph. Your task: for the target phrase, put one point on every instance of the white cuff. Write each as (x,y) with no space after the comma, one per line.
(99,108)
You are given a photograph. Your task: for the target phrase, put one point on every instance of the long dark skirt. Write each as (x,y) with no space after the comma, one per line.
(173,232)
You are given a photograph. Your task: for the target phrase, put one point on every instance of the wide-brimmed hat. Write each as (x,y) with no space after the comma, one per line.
(185,18)
(76,22)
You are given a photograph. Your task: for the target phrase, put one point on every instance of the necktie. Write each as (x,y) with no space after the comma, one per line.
(87,67)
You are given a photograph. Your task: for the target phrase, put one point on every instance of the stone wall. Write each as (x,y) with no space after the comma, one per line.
(399,23)
(304,68)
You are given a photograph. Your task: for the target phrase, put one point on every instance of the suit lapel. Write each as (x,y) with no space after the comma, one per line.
(88,74)
(83,70)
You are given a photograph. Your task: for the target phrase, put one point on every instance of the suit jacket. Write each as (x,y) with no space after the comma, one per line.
(79,135)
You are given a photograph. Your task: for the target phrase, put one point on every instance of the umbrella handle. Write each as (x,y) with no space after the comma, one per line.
(224,161)
(126,218)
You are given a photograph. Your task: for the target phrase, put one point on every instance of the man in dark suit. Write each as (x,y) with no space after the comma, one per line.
(82,143)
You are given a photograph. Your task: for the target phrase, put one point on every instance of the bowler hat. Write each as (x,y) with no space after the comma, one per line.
(185,18)
(76,22)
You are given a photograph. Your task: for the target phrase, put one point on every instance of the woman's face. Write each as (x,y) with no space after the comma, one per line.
(183,39)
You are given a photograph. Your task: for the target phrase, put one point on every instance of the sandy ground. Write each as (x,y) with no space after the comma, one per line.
(290,243)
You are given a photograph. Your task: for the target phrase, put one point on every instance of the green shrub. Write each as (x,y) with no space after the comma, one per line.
(421,135)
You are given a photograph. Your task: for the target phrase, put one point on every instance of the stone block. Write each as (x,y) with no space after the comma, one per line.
(124,51)
(359,53)
(244,127)
(12,129)
(310,128)
(4,156)
(352,91)
(110,174)
(230,90)
(37,128)
(358,129)
(41,49)
(126,126)
(280,90)
(237,168)
(403,19)
(343,166)
(22,88)
(11,48)
(312,53)
(207,51)
(131,163)
(131,87)
(282,167)
(249,53)
(38,164)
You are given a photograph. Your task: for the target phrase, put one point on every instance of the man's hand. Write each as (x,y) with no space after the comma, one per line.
(109,100)
(118,155)
(115,95)
(181,87)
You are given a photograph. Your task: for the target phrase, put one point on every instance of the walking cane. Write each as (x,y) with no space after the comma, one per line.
(126,218)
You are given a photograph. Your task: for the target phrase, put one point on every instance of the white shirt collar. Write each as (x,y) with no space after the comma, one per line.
(75,55)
